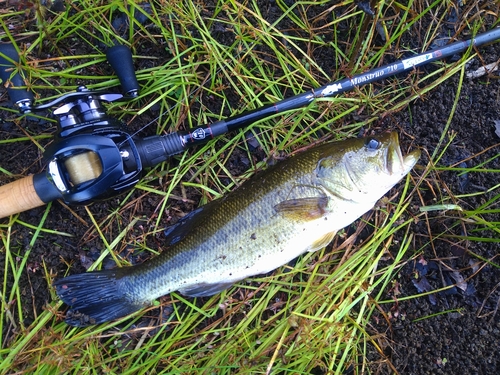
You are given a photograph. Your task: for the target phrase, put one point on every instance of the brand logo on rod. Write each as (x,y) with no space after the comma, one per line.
(199,134)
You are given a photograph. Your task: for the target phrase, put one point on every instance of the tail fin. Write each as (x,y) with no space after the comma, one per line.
(95,297)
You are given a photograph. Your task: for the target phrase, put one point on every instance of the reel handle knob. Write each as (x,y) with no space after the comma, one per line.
(16,88)
(120,59)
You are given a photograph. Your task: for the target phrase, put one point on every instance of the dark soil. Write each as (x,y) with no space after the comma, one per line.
(461,333)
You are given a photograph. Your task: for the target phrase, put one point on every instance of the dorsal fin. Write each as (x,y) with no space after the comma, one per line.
(179,230)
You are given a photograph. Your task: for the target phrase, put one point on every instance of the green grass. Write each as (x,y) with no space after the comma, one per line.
(316,316)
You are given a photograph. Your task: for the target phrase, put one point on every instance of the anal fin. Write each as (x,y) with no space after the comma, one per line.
(205,289)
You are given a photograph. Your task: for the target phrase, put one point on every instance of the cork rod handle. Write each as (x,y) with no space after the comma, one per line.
(18,196)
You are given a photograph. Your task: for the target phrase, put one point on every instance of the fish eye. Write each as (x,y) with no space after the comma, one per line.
(372,144)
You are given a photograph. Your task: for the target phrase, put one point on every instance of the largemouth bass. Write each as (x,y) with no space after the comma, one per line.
(293,207)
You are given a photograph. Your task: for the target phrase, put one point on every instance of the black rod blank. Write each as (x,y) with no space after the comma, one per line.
(202,134)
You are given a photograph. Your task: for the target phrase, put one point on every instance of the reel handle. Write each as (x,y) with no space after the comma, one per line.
(12,79)
(120,59)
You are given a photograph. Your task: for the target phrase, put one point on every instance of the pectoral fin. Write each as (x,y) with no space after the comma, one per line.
(322,241)
(303,208)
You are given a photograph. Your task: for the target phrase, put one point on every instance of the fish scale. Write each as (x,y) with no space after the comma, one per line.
(293,207)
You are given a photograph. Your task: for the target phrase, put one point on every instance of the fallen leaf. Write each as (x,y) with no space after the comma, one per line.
(497,127)
(422,261)
(423,285)
(487,69)
(474,265)
(459,280)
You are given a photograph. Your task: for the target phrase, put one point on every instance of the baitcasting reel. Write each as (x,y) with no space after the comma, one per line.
(93,156)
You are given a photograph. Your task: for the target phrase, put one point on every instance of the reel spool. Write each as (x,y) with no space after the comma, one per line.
(83,167)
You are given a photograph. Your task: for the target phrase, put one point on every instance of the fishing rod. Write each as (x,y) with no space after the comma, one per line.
(95,158)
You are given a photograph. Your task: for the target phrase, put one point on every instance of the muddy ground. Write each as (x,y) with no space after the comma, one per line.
(462,337)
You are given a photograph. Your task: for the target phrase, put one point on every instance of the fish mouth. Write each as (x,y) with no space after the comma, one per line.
(395,161)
